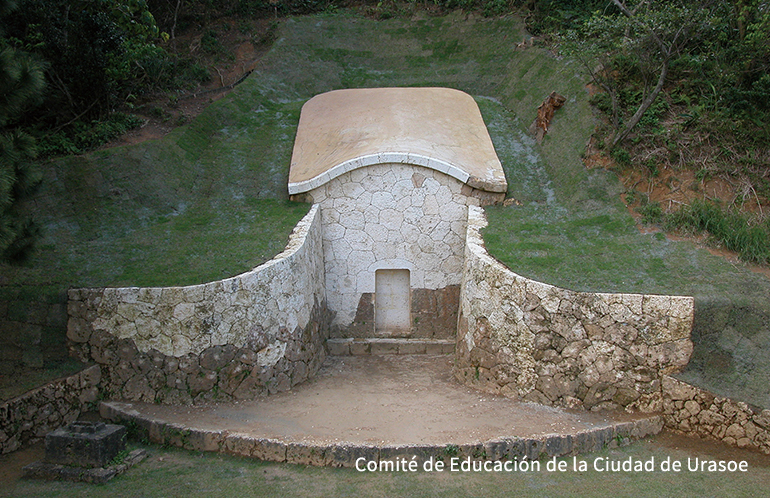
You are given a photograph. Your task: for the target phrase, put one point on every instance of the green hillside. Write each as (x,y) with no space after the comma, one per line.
(209,200)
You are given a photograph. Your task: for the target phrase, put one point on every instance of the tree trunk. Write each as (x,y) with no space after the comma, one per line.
(646,103)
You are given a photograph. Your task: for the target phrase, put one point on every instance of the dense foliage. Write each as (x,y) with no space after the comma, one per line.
(684,86)
(98,52)
(683,82)
(714,58)
(21,87)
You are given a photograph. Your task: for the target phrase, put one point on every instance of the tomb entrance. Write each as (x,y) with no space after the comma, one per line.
(392,303)
(394,171)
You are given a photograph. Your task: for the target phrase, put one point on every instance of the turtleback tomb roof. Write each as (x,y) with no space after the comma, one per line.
(439,128)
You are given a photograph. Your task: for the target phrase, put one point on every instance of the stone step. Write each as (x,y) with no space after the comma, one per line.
(380,346)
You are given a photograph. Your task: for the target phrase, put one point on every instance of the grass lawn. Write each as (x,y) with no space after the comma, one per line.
(209,200)
(170,472)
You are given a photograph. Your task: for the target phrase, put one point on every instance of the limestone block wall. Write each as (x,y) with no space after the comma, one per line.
(29,417)
(523,338)
(394,216)
(696,412)
(262,331)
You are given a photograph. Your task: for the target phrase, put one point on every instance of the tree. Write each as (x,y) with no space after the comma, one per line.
(21,86)
(634,41)
(748,88)
(98,53)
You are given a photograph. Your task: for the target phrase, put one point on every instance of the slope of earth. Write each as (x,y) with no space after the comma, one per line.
(209,199)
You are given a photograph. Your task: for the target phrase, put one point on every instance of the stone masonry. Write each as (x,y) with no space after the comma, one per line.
(260,332)
(394,170)
(526,339)
(696,412)
(394,216)
(396,220)
(29,417)
(392,192)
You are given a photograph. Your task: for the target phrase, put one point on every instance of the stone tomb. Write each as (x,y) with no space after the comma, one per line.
(388,260)
(394,170)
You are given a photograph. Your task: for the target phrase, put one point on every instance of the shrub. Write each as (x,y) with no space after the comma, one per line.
(87,136)
(621,157)
(734,231)
(651,212)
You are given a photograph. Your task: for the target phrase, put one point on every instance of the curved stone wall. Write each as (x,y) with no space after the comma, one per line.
(262,331)
(523,338)
(697,412)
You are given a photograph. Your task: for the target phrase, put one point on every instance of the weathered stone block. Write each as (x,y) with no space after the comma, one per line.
(384,347)
(85,444)
(625,396)
(762,419)
(558,445)
(216,358)
(412,347)
(269,450)
(239,444)
(202,382)
(345,455)
(360,348)
(204,440)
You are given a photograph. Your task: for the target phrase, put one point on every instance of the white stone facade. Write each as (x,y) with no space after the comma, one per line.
(390,216)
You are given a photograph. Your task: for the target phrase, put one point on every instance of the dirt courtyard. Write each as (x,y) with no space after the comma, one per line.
(382,400)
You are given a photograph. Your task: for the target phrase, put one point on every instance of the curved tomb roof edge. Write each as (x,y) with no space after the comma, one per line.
(396,158)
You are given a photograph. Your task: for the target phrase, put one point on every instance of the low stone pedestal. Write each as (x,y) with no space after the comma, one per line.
(86,452)
(85,444)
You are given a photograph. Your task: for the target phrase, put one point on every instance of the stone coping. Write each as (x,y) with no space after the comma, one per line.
(349,453)
(439,128)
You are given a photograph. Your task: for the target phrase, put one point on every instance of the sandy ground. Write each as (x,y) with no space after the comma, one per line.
(387,399)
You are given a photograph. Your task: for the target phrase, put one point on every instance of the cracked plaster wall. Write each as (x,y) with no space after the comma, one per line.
(526,339)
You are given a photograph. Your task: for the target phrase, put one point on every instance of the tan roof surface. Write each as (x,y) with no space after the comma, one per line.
(438,128)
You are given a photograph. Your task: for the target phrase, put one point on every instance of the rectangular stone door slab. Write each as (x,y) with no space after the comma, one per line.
(391,303)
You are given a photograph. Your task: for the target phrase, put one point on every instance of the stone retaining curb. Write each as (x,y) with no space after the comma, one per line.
(345,454)
(375,346)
